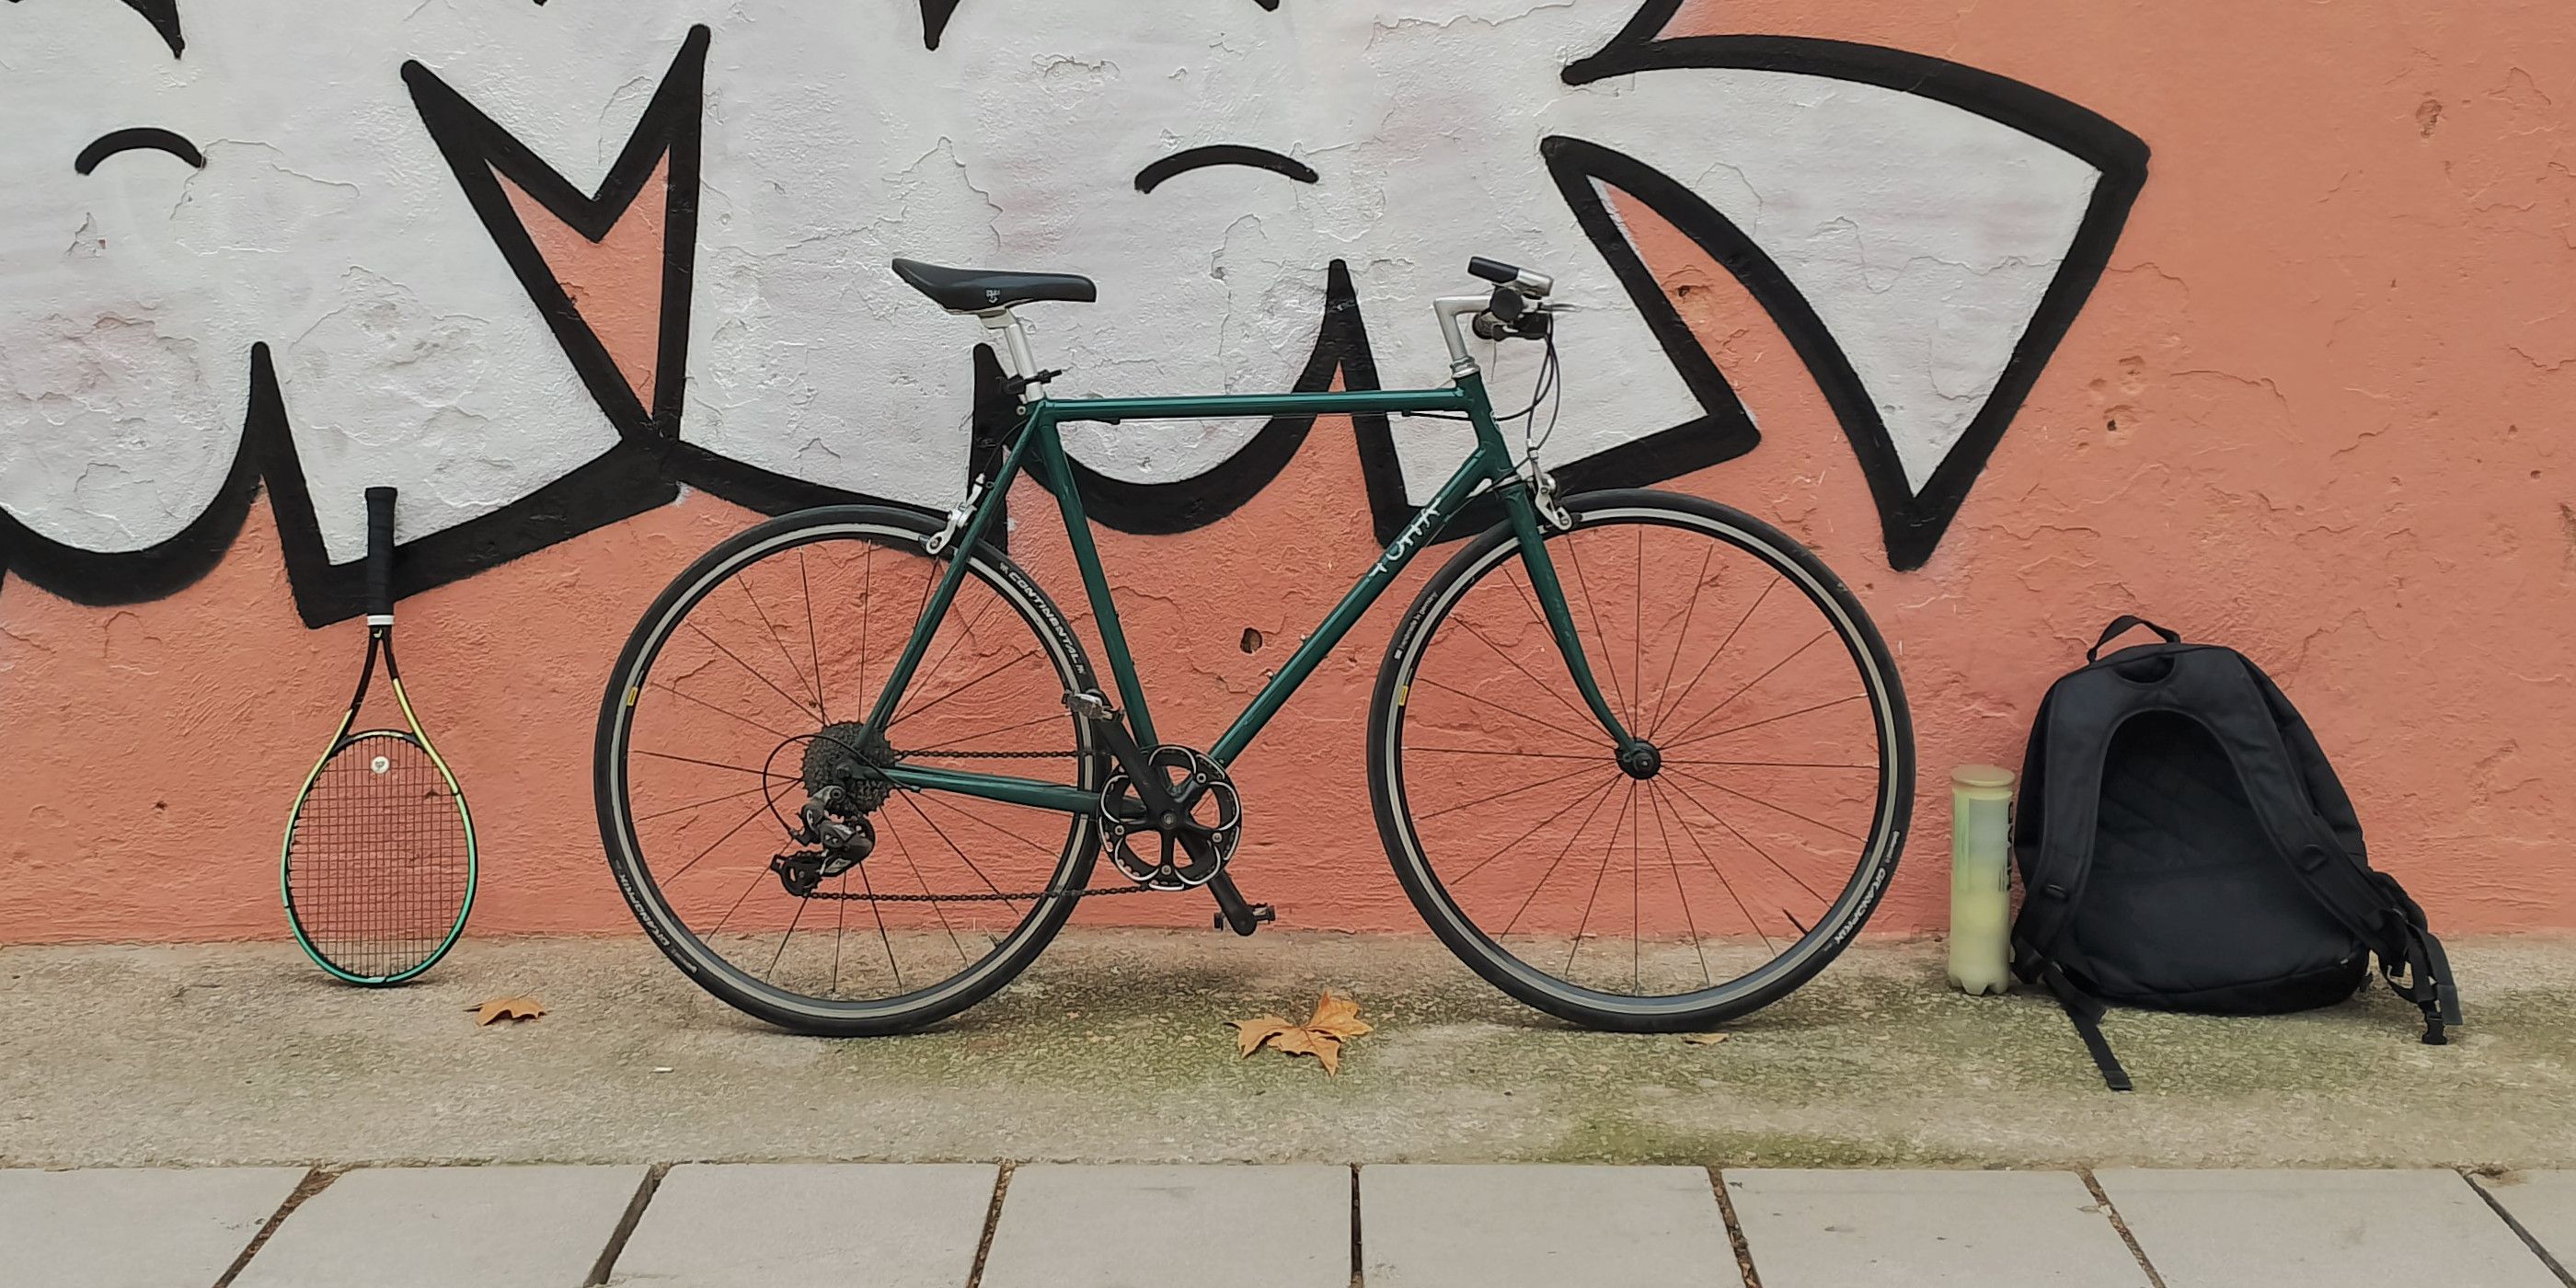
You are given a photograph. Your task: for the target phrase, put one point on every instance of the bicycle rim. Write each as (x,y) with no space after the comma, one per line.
(774,645)
(1710,887)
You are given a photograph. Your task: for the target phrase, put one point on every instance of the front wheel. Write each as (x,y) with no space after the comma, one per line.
(1675,891)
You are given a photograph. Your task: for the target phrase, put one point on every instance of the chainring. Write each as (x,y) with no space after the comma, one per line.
(1210,810)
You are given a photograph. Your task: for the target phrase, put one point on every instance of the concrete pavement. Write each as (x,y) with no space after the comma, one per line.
(1295,1226)
(1115,1049)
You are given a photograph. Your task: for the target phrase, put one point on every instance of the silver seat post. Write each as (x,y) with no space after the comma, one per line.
(1012,342)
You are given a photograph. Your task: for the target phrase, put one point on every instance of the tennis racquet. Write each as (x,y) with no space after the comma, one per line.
(378,866)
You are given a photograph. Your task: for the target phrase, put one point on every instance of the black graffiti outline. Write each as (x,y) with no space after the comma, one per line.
(1911,522)
(645,468)
(164,17)
(1215,154)
(936,13)
(141,138)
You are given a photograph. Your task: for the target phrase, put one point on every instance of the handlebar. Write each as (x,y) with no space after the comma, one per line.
(1508,313)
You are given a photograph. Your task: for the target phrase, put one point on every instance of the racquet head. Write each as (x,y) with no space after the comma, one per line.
(379,868)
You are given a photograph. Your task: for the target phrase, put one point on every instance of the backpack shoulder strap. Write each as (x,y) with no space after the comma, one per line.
(2063,777)
(2303,805)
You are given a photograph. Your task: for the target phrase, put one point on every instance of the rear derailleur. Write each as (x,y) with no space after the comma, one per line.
(841,836)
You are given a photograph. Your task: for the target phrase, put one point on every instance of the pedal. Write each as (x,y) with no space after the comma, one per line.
(1261,914)
(1233,913)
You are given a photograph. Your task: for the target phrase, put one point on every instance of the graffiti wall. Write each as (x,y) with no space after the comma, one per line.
(2023,315)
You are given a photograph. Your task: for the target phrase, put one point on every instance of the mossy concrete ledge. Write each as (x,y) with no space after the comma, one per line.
(1116,1048)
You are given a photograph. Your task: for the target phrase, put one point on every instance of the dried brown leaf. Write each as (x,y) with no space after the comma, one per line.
(1704,1039)
(1326,1048)
(1336,1020)
(1339,1016)
(1251,1034)
(507,1008)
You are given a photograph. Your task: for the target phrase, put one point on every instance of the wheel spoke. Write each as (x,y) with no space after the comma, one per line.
(1594,736)
(1722,646)
(1592,608)
(1747,842)
(918,879)
(1705,717)
(1515,791)
(1672,859)
(1553,864)
(1580,715)
(1755,923)
(726,712)
(1756,724)
(783,655)
(1514,843)
(747,669)
(711,845)
(1769,805)
(1664,688)
(1595,897)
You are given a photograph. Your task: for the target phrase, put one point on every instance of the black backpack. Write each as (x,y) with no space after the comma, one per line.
(2184,846)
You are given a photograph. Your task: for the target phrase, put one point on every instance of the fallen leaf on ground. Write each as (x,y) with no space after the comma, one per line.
(1704,1039)
(1339,1016)
(1251,1034)
(507,1008)
(1336,1020)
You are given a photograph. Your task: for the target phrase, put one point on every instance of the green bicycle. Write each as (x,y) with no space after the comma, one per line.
(1621,692)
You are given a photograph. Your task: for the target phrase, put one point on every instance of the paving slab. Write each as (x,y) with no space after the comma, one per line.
(1810,1228)
(1436,1226)
(134,1227)
(2543,1204)
(886,1225)
(1077,1226)
(445,1227)
(2268,1228)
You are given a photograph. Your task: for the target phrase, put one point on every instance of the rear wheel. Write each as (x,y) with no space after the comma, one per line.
(746,688)
(1667,893)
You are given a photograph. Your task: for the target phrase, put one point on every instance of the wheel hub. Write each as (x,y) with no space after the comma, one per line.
(1640,760)
(1193,841)
(850,756)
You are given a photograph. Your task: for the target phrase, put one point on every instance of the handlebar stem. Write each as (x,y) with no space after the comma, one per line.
(1451,309)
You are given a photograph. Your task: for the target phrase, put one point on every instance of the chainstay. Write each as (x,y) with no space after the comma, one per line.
(993,897)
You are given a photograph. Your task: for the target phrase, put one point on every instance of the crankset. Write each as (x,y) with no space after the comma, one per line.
(1192,837)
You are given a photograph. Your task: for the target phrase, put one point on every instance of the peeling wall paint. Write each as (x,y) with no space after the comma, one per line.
(590,283)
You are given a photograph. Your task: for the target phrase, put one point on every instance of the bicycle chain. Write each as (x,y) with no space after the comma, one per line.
(996,897)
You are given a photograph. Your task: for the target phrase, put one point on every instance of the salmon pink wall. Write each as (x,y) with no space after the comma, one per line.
(2315,407)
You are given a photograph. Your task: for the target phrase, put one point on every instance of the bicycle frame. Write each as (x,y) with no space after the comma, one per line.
(1038,451)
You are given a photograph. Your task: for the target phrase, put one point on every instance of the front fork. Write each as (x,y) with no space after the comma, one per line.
(1531,501)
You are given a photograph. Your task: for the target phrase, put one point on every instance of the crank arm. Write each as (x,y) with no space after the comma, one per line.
(1231,910)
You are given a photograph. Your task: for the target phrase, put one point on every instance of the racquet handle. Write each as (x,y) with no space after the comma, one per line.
(380,552)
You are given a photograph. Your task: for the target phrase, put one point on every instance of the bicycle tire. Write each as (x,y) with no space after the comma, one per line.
(710,969)
(1590,1007)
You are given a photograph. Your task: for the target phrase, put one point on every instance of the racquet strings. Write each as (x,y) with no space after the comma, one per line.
(380,867)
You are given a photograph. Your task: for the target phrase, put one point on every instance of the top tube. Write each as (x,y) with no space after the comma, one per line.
(1449,398)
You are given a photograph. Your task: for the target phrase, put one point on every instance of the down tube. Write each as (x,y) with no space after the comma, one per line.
(1478,467)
